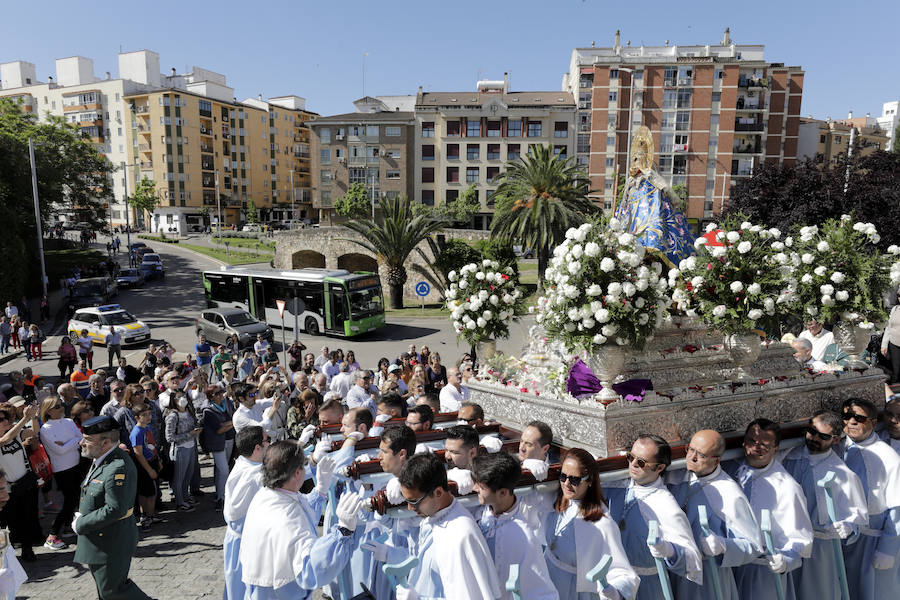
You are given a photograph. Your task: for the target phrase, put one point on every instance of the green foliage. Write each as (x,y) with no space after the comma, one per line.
(355,204)
(462,209)
(252,212)
(895,146)
(145,197)
(453,255)
(539,197)
(158,238)
(483,300)
(500,251)
(681,193)
(72,178)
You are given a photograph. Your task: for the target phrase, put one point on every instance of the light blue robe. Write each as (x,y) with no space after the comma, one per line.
(243,483)
(739,530)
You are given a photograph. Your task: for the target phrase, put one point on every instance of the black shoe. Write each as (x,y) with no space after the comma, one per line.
(28,554)
(198,493)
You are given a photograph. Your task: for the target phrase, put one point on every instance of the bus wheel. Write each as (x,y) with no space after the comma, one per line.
(311,326)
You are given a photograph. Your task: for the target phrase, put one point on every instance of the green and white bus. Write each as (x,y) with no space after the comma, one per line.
(336,301)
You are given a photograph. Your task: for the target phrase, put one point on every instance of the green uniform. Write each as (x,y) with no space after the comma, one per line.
(107,532)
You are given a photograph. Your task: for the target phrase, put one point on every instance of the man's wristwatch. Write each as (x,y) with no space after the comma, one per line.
(344,531)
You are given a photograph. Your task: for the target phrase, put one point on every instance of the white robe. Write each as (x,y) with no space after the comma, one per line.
(455,563)
(243,482)
(512,541)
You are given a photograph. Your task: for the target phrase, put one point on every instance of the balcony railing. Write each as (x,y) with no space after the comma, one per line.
(742,172)
(205,148)
(142,110)
(747,149)
(670,82)
(749,126)
(144,147)
(680,147)
(205,131)
(146,164)
(753,82)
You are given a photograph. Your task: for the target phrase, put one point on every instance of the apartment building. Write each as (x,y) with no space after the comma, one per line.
(716,112)
(889,120)
(465,138)
(825,141)
(179,130)
(372,146)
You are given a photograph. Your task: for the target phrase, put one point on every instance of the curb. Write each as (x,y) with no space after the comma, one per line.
(11,356)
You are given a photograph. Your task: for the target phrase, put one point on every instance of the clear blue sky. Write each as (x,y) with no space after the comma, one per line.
(315,49)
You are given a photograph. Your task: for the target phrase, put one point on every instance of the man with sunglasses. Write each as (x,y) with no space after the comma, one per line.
(734,538)
(872,561)
(634,502)
(817,578)
(454,560)
(358,395)
(768,486)
(252,412)
(116,398)
(891,419)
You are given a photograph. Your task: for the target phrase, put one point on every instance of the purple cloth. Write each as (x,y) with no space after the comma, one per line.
(583,382)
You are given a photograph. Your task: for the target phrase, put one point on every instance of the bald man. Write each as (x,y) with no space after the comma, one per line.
(734,538)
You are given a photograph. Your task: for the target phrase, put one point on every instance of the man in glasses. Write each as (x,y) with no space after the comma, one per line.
(252,412)
(454,560)
(768,486)
(634,502)
(817,578)
(243,482)
(116,397)
(872,561)
(357,396)
(420,418)
(97,394)
(734,538)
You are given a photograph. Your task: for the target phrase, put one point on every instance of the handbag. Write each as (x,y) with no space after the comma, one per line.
(40,465)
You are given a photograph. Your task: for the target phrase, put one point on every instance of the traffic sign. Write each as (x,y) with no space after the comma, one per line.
(423,289)
(280,304)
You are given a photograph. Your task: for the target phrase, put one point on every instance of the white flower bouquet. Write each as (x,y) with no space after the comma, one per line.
(737,281)
(602,288)
(838,273)
(483,300)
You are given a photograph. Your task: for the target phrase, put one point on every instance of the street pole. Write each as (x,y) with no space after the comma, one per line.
(293,200)
(373,194)
(127,217)
(628,129)
(37,215)
(218,206)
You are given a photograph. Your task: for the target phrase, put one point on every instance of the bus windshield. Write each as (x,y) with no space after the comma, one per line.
(364,303)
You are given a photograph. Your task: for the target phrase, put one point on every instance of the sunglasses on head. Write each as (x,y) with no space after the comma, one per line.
(810,430)
(856,417)
(641,463)
(575,480)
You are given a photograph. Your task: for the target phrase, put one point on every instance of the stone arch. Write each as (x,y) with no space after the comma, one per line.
(355,261)
(307,258)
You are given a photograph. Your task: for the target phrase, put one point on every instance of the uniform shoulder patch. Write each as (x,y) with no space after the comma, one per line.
(119,476)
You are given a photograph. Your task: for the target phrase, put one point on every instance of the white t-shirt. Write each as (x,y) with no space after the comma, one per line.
(819,342)
(451,398)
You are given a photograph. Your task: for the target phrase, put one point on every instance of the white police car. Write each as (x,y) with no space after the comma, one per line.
(98,319)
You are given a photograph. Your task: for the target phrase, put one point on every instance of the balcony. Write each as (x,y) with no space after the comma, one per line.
(301,154)
(742,172)
(669,82)
(146,164)
(743,104)
(144,147)
(142,110)
(226,130)
(680,147)
(205,131)
(584,104)
(753,82)
(206,148)
(749,126)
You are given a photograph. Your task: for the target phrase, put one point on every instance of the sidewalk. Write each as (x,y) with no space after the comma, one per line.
(52,327)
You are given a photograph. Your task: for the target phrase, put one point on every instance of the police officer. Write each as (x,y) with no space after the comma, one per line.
(107,532)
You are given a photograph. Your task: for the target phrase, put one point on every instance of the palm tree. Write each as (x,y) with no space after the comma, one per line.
(394,237)
(539,197)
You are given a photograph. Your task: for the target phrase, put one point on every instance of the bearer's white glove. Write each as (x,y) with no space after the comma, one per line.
(324,474)
(323,447)
(492,444)
(537,467)
(347,509)
(463,479)
(712,545)
(777,563)
(307,434)
(7,583)
(75,522)
(379,551)
(661,549)
(882,561)
(355,436)
(392,491)
(843,529)
(610,593)
(405,593)
(382,418)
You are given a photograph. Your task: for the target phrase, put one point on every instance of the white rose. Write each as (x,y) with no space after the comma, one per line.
(837,277)
(594,290)
(615,224)
(744,247)
(451,293)
(570,327)
(820,271)
(827,300)
(640,302)
(719,311)
(746,225)
(574,314)
(621,341)
(754,288)
(807,258)
(483,295)
(625,239)
(452,275)
(643,319)
(769,305)
(642,284)
(736,286)
(710,227)
(479,275)
(570,233)
(574,267)
(893,249)
(580,235)
(699,242)
(826,289)
(733,236)
(842,295)
(470,325)
(789,241)
(607,264)
(463,285)
(592,249)
(588,323)
(609,330)
(507,299)
(577,251)
(629,289)
(717,251)
(614,289)
(823,246)
(486,263)
(754,314)
(777,246)
(776,233)
(602,315)
(488,315)
(696,282)
(599,339)
(596,305)
(812,310)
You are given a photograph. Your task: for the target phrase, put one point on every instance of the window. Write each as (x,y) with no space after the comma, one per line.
(393,174)
(428,129)
(492,173)
(669,98)
(514,128)
(682,120)
(358,175)
(720,74)
(427,174)
(471,174)
(325,174)
(610,163)
(428,197)
(534,129)
(717,96)
(473,151)
(392,131)
(325,195)
(473,128)
(685,75)
(452,151)
(325,135)
(493,152)
(684,98)
(452,129)
(428,152)
(493,128)
(325,157)
(584,142)
(452,174)
(512,152)
(668,120)
(560,129)
(665,164)
(452,196)
(392,154)
(560,151)
(613,96)
(205,108)
(613,73)
(665,142)
(669,75)
(679,165)
(821,139)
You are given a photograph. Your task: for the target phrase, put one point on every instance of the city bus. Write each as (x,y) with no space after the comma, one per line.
(336,302)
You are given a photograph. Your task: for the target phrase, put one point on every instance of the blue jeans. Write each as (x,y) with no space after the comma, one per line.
(4,343)
(184,470)
(220,463)
(27,345)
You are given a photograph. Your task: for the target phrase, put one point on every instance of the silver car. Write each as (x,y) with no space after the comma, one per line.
(221,323)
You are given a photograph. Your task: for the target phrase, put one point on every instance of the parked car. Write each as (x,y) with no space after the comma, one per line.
(152,266)
(251,227)
(130,278)
(91,291)
(220,323)
(196,228)
(523,252)
(98,319)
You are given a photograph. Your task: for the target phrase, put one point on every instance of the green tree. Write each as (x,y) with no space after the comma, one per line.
(681,193)
(145,197)
(896,143)
(355,204)
(500,251)
(252,212)
(462,209)
(73,178)
(393,238)
(539,197)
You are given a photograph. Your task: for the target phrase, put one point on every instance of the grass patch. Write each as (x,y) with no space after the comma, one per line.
(244,243)
(410,309)
(158,238)
(527,266)
(231,258)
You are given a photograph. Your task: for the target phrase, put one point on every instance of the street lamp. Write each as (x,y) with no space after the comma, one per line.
(293,200)
(127,219)
(630,106)
(218,206)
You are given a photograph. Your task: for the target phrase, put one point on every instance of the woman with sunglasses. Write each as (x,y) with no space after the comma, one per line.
(61,437)
(579,532)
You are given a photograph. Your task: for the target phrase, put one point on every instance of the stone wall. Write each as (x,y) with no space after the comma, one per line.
(331,248)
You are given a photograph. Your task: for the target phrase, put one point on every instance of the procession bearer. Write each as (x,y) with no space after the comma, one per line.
(107,532)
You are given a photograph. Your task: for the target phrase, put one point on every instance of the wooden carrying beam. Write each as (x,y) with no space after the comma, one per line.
(421,436)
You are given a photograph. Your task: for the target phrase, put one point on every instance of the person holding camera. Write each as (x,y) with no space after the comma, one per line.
(181,433)
(21,512)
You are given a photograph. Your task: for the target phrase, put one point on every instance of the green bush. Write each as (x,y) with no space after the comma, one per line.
(500,251)
(455,254)
(158,238)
